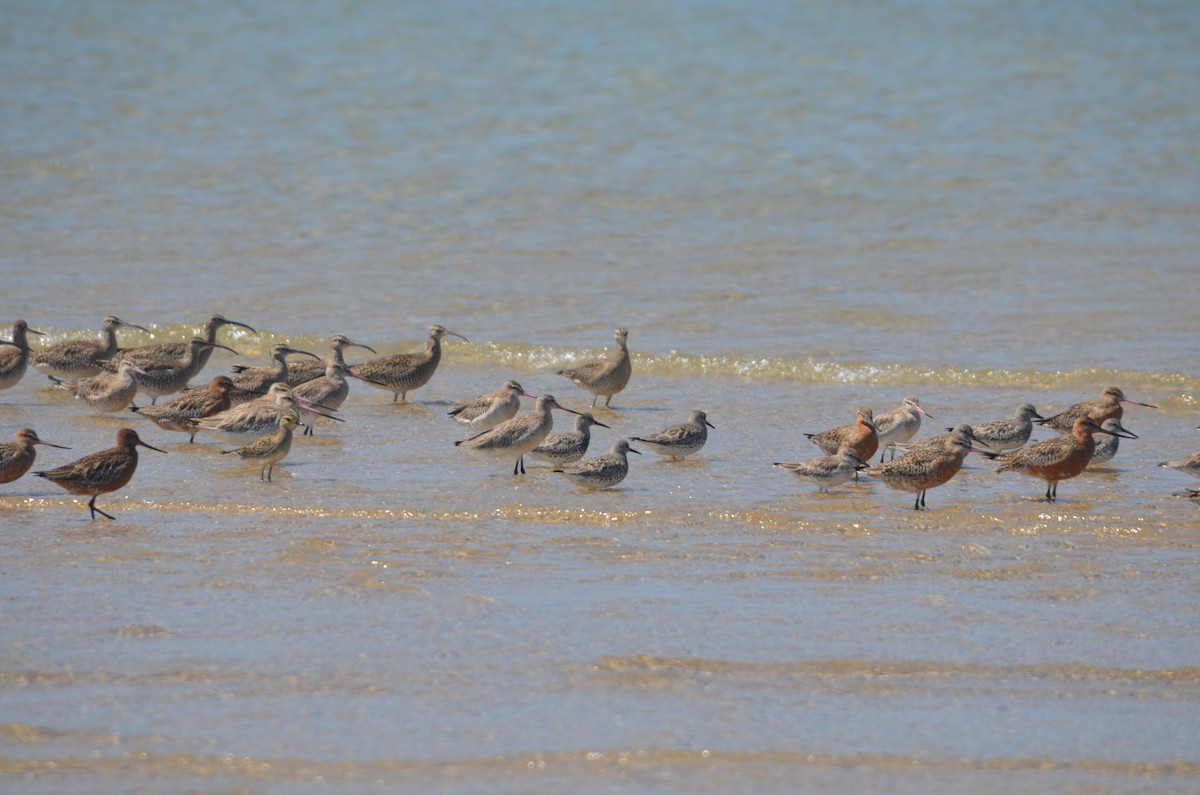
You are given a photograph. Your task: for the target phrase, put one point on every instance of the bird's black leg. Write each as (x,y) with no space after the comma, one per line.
(95,510)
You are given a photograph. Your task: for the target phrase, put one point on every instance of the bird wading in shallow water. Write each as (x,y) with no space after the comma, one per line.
(405,372)
(607,377)
(1057,459)
(102,472)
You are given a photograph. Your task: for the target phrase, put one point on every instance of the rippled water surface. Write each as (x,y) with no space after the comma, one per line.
(796,209)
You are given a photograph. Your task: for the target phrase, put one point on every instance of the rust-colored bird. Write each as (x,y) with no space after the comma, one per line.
(1060,458)
(102,472)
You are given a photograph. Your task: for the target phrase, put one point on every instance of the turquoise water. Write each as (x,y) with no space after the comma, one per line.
(797,210)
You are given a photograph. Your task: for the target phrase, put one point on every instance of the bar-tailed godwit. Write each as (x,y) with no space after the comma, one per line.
(488,411)
(569,446)
(181,413)
(679,441)
(1057,459)
(254,418)
(17,456)
(862,436)
(1107,406)
(269,450)
(106,392)
(14,355)
(1008,433)
(827,471)
(602,472)
(404,372)
(925,468)
(898,425)
(606,377)
(81,358)
(102,472)
(307,370)
(517,436)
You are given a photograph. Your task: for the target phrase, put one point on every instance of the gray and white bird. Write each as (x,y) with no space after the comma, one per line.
(827,471)
(606,377)
(1008,433)
(517,436)
(602,472)
(679,441)
(569,446)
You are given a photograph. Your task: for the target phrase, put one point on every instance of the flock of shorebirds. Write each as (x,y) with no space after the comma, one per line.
(260,408)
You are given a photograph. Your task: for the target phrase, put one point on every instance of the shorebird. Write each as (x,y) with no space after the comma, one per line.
(328,391)
(1189,465)
(81,358)
(488,411)
(1106,445)
(606,377)
(517,436)
(102,472)
(939,441)
(260,377)
(269,450)
(106,392)
(862,436)
(17,456)
(14,354)
(679,441)
(161,377)
(602,472)
(175,350)
(926,468)
(1060,458)
(305,370)
(405,372)
(569,446)
(195,404)
(828,471)
(1107,406)
(1008,433)
(254,418)
(898,425)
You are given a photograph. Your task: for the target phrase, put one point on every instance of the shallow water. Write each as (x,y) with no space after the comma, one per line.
(795,211)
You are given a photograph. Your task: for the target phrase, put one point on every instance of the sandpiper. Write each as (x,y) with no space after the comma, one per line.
(254,418)
(1008,433)
(1057,459)
(81,358)
(14,354)
(569,446)
(488,411)
(926,468)
(17,456)
(517,436)
(269,450)
(827,471)
(1107,406)
(328,391)
(102,472)
(405,372)
(1107,444)
(679,441)
(607,377)
(602,472)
